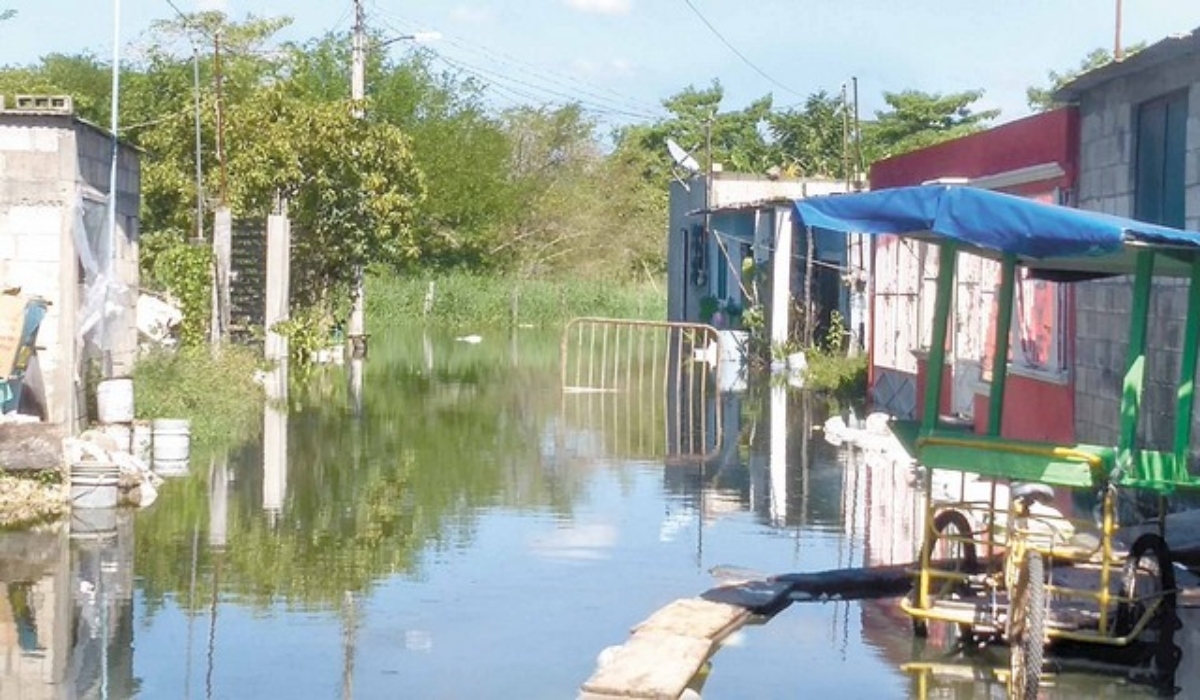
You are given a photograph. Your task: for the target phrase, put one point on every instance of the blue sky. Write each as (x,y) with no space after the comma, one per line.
(622,57)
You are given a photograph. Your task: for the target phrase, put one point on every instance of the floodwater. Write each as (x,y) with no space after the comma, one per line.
(461,528)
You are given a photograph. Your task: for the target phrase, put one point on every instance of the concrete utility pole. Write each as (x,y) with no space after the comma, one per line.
(222,243)
(357,326)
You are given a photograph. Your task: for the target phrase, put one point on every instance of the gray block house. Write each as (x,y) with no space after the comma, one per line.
(55,244)
(1139,157)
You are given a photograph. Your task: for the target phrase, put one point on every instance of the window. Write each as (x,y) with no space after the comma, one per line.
(1159,168)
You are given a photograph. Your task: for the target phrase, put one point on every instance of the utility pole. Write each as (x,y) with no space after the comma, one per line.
(222,242)
(1118,54)
(199,169)
(357,329)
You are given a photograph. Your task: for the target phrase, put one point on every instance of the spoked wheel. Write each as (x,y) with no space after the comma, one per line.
(1149,578)
(948,548)
(1026,628)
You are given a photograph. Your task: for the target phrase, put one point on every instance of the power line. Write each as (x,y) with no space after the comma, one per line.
(737,53)
(581,91)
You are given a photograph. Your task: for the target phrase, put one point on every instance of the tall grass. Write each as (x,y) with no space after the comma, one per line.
(217,394)
(462,300)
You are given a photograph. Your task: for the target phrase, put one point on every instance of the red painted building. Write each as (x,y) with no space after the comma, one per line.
(1034,157)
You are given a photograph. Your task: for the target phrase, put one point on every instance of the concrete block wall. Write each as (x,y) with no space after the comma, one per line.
(47,163)
(1108,124)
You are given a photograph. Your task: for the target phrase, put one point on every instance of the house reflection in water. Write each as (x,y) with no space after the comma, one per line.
(66,609)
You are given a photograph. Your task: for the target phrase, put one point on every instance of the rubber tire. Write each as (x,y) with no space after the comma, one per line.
(969,562)
(1027,650)
(1165,658)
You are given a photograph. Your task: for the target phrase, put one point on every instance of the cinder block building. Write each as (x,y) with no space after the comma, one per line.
(1139,157)
(55,243)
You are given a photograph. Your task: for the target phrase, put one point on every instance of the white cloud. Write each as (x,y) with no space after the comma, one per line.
(602,7)
(576,542)
(613,67)
(471,15)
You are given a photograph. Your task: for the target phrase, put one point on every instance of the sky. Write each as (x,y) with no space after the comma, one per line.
(621,58)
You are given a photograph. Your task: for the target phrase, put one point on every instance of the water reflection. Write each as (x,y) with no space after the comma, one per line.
(66,609)
(455,512)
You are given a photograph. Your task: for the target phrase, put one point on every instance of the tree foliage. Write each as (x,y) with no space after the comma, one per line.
(432,176)
(919,119)
(1041,99)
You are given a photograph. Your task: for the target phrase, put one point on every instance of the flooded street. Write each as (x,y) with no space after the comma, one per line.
(463,529)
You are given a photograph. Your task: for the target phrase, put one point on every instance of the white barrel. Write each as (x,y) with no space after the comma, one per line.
(114,401)
(94,484)
(143,440)
(171,446)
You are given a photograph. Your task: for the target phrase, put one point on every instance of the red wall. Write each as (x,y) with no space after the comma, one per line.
(1033,409)
(1050,137)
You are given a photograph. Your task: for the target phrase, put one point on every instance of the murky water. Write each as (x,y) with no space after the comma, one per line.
(461,529)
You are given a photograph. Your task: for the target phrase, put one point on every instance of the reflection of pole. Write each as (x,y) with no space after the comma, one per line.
(778,454)
(212,629)
(275,426)
(187,673)
(218,501)
(349,642)
(356,386)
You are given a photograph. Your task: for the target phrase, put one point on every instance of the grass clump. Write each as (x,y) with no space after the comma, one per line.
(837,374)
(217,393)
(464,300)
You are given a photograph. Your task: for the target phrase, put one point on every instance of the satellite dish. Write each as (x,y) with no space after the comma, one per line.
(681,157)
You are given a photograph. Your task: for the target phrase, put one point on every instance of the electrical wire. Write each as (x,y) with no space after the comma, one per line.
(737,53)
(548,82)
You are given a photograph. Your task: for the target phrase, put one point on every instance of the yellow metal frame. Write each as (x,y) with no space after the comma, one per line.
(1019,537)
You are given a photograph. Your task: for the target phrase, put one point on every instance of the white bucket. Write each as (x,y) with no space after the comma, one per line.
(114,401)
(94,485)
(143,440)
(172,445)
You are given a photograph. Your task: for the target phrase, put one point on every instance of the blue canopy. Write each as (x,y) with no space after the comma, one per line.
(1042,236)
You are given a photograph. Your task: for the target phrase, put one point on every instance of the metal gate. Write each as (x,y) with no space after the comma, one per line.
(649,388)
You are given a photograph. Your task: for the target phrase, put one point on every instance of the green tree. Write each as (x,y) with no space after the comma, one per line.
(919,119)
(1041,99)
(811,141)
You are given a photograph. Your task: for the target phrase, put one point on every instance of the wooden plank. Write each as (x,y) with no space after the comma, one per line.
(651,664)
(665,651)
(695,617)
(12,325)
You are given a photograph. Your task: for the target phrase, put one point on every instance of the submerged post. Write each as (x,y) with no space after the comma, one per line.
(1187,374)
(947,259)
(1008,278)
(1131,393)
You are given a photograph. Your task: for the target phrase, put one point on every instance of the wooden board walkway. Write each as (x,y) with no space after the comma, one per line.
(665,652)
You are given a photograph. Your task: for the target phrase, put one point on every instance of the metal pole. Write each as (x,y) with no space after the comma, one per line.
(357,325)
(199,174)
(110,251)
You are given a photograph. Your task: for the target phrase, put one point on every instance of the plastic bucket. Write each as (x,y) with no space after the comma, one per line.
(94,485)
(114,401)
(172,445)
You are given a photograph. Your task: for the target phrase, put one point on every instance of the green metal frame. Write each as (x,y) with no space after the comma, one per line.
(943,447)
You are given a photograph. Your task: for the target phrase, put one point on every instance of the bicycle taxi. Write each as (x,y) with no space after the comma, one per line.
(1004,566)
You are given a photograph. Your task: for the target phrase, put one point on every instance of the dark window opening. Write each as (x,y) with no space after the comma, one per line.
(1161,142)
